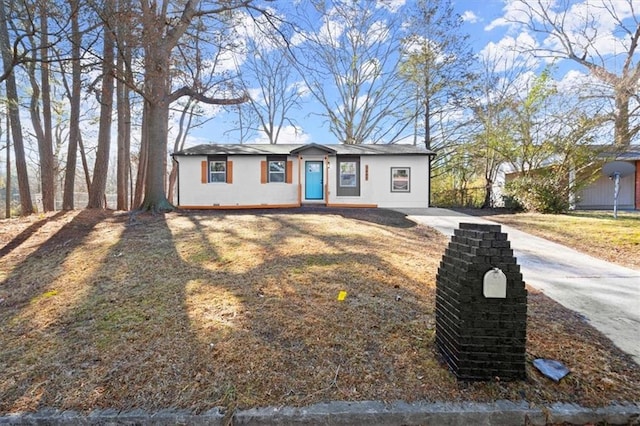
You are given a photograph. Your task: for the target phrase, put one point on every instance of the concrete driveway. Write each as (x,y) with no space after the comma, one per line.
(607,295)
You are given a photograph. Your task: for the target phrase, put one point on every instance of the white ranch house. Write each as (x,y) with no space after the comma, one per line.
(228,176)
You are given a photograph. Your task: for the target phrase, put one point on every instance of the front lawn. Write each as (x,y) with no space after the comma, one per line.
(593,232)
(196,310)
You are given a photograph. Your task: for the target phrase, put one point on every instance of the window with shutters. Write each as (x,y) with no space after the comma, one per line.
(276,169)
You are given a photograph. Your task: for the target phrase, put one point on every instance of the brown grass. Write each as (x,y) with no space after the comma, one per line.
(593,232)
(195,310)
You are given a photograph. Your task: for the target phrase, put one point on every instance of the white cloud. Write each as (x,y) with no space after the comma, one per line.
(578,83)
(590,25)
(498,22)
(470,17)
(513,11)
(508,53)
(330,33)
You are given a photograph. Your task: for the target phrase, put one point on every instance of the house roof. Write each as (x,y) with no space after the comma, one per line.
(628,153)
(628,156)
(289,149)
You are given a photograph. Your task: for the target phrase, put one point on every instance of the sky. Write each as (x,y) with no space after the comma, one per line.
(484,21)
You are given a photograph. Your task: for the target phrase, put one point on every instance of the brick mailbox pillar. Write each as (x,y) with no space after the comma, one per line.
(481,306)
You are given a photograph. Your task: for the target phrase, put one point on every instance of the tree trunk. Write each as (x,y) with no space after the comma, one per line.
(173,177)
(142,160)
(68,202)
(7,185)
(487,194)
(157,91)
(622,136)
(101,167)
(155,199)
(427,112)
(26,205)
(47,166)
(123,107)
(124,146)
(85,163)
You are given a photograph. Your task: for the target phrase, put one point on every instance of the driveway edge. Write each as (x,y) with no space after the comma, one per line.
(351,413)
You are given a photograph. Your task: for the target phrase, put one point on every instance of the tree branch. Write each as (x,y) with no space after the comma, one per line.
(200,97)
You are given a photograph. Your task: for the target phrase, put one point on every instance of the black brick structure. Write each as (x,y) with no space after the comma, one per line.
(480,338)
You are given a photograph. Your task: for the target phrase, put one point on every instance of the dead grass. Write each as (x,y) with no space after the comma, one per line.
(195,310)
(593,232)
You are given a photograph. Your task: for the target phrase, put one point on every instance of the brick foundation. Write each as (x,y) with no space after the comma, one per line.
(480,338)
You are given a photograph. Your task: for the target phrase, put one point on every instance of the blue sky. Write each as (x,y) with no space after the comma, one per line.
(312,128)
(484,22)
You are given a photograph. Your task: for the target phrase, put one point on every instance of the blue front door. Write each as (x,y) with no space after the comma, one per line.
(313,180)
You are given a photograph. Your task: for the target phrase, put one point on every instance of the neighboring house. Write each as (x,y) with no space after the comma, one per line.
(599,194)
(228,176)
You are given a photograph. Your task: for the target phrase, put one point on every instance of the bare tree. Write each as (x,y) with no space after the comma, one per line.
(163,27)
(277,93)
(123,104)
(354,53)
(437,64)
(491,112)
(8,60)
(575,32)
(73,95)
(40,105)
(105,98)
(7,182)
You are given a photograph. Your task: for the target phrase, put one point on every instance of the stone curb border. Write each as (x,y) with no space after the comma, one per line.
(350,413)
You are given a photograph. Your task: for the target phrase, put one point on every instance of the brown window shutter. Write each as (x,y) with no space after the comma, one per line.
(229,171)
(289,174)
(205,172)
(366,172)
(263,172)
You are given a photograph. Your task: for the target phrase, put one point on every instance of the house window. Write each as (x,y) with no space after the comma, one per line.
(277,170)
(400,179)
(217,169)
(348,176)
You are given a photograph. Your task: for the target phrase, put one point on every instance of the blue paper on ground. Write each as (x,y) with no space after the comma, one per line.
(555,370)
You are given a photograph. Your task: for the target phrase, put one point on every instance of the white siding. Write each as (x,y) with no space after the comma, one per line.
(246,189)
(377,189)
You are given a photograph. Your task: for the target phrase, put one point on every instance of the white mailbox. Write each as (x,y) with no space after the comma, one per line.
(494,284)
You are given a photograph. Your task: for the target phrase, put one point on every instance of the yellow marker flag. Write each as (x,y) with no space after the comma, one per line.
(342,295)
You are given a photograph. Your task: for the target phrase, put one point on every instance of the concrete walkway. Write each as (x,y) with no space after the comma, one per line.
(607,295)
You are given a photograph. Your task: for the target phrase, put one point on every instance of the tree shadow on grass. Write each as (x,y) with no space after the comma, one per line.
(155,324)
(202,310)
(379,216)
(27,233)
(41,266)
